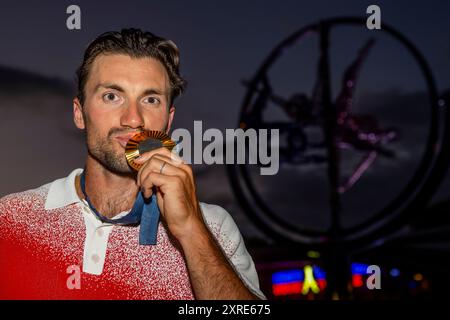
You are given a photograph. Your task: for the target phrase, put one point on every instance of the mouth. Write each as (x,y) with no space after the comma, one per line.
(123,139)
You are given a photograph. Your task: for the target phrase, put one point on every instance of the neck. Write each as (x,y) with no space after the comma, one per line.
(110,193)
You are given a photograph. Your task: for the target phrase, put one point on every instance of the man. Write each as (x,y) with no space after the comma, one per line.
(55,244)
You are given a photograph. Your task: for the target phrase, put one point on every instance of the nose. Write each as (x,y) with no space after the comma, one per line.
(132,116)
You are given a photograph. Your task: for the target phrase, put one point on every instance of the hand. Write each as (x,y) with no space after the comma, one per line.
(211,274)
(175,190)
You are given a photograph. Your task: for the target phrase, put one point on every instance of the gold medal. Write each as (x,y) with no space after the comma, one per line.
(146,141)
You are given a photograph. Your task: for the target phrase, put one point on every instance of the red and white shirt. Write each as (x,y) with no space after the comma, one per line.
(53,247)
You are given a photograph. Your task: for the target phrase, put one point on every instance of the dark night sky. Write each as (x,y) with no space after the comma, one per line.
(228,37)
(221,43)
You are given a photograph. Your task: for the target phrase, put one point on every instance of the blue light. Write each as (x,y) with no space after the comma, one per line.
(319,273)
(287,276)
(413,284)
(395,272)
(359,268)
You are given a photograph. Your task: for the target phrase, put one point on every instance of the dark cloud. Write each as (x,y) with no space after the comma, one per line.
(15,82)
(39,141)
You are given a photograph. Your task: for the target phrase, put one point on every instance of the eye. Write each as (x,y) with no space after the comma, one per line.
(152,101)
(110,97)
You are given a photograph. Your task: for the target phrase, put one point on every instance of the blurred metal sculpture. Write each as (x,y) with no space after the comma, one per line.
(360,132)
(342,129)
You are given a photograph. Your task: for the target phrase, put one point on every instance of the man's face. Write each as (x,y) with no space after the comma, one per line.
(123,95)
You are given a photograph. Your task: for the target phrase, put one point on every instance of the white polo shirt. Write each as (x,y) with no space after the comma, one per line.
(62,193)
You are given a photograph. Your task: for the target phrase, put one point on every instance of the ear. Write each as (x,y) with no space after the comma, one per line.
(171,115)
(78,114)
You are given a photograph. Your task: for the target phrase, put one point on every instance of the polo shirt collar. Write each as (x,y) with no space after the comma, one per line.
(62,192)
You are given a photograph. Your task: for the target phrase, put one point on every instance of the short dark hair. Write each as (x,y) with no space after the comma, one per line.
(136,44)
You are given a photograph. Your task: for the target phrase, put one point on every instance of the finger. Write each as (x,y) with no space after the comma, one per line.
(187,174)
(154,165)
(161,166)
(147,189)
(183,170)
(163,182)
(167,159)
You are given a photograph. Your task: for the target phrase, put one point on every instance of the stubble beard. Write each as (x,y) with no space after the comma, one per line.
(103,151)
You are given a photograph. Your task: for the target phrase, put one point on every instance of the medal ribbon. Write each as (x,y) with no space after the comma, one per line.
(144,212)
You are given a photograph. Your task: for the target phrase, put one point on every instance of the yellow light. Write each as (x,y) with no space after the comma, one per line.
(309,283)
(418,277)
(313,254)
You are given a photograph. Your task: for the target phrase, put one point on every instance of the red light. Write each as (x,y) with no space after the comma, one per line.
(322,283)
(357,281)
(283,289)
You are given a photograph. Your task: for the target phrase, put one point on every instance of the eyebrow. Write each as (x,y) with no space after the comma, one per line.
(120,89)
(109,86)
